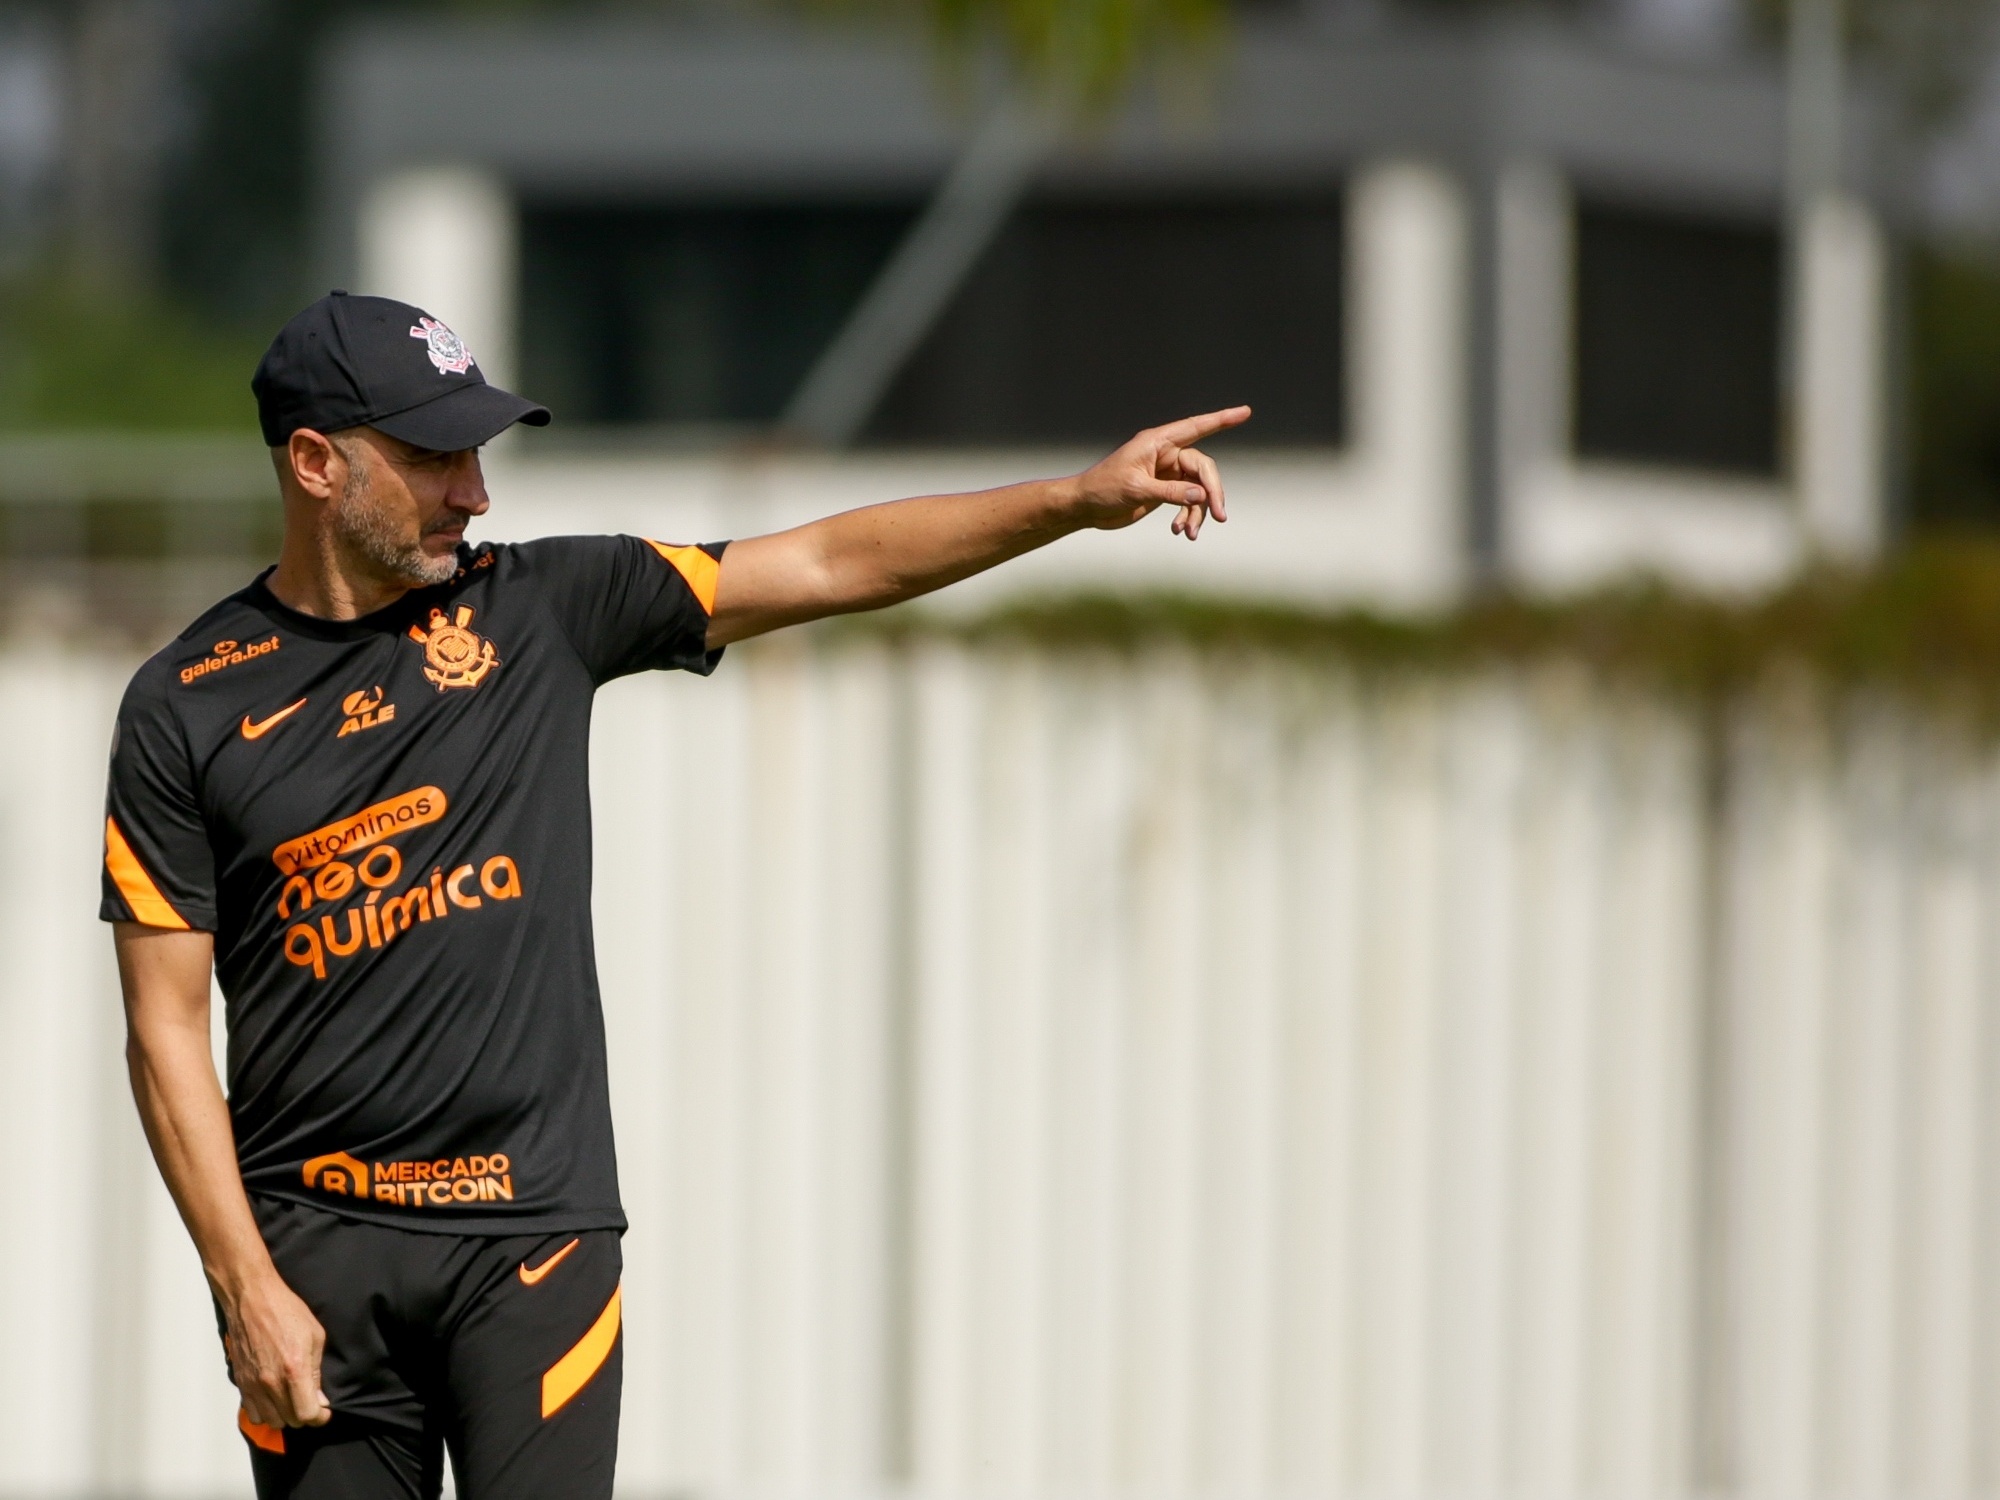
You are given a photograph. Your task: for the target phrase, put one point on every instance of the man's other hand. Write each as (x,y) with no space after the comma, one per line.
(1161,466)
(274,1345)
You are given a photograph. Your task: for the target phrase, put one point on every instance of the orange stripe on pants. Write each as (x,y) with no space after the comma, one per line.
(270,1439)
(572,1372)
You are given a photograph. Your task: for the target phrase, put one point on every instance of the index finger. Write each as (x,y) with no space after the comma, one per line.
(1194,429)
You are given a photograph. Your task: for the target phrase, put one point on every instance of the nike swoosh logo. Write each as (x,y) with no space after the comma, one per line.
(255,731)
(529,1278)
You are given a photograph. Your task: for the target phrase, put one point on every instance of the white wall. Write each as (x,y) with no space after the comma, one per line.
(1842,293)
(1218,1076)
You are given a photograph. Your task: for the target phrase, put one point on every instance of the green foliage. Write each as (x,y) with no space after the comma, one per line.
(1954,323)
(237,208)
(1925,626)
(1931,52)
(74,360)
(1080,52)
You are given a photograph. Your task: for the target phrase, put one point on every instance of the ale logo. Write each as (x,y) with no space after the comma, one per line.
(454,656)
(364,710)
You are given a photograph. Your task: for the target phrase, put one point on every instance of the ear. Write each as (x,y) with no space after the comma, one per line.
(317,466)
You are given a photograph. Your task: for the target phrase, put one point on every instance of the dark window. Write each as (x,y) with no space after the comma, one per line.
(690,315)
(1677,332)
(1085,322)
(1081,323)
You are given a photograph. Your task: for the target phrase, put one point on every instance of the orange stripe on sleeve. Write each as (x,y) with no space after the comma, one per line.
(134,884)
(270,1439)
(697,567)
(572,1372)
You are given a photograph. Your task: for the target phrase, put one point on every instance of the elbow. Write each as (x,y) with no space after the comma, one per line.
(138,1066)
(148,1044)
(137,1053)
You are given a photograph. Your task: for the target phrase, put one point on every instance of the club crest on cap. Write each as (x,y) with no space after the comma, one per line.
(446,349)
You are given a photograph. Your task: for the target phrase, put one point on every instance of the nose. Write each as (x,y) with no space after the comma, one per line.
(466,490)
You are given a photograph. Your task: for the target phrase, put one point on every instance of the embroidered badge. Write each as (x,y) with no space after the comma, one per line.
(454,656)
(446,349)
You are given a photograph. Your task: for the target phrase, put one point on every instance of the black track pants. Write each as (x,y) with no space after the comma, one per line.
(506,1351)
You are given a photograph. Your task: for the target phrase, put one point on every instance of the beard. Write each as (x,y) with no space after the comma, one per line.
(367,528)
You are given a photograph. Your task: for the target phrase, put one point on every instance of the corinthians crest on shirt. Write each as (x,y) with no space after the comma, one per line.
(446,349)
(454,655)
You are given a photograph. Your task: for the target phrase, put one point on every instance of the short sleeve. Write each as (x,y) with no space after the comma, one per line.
(630,605)
(159,869)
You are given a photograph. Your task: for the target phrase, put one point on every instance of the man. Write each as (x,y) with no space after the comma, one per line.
(356,789)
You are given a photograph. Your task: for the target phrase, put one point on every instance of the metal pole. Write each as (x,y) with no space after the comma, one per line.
(1816,83)
(842,390)
(1815,148)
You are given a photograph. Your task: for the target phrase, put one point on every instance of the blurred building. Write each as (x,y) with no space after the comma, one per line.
(29,138)
(1512,302)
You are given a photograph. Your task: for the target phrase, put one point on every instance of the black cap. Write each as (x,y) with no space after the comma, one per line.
(375,362)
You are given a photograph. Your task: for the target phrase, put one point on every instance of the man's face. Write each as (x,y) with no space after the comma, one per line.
(402,510)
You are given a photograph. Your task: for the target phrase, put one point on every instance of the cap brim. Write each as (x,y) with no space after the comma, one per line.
(464,418)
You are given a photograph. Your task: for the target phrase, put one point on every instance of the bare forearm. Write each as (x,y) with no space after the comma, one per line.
(888,553)
(884,554)
(272,1339)
(187,1124)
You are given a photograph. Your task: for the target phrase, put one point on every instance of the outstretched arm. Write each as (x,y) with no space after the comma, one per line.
(884,554)
(273,1340)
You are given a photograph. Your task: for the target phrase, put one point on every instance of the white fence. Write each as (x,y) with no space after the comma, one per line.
(1076,1075)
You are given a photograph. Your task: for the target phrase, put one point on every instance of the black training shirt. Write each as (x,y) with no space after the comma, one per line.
(386,824)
